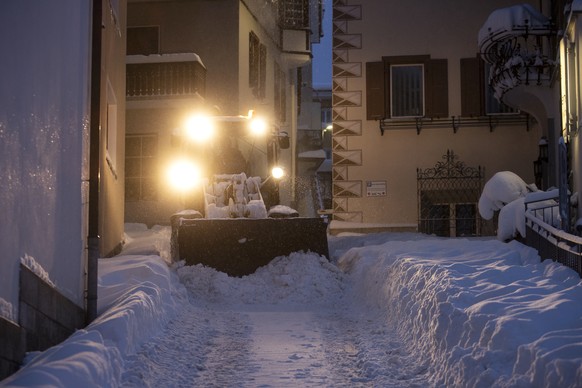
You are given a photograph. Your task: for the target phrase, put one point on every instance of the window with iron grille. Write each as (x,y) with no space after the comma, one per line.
(257,66)
(407,90)
(141,167)
(477,96)
(407,86)
(294,14)
(280,96)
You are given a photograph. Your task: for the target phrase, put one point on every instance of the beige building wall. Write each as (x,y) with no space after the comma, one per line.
(365,31)
(218,32)
(112,149)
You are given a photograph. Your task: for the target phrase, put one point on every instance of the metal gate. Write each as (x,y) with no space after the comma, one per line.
(448,195)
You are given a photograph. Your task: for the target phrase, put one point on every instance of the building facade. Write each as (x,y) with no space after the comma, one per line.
(416,128)
(61,112)
(248,53)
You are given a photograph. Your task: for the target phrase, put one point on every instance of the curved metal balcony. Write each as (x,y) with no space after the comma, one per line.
(517,41)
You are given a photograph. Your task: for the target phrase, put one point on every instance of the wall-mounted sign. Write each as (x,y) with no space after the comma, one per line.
(375,188)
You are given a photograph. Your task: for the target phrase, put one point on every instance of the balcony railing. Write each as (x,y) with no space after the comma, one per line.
(543,233)
(518,43)
(164,76)
(294,14)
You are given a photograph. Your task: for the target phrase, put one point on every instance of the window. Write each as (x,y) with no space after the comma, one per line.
(257,66)
(492,104)
(477,97)
(325,116)
(141,160)
(280,94)
(407,87)
(111,129)
(407,90)
(143,40)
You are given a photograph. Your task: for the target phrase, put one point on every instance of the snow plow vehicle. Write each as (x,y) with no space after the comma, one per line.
(233,221)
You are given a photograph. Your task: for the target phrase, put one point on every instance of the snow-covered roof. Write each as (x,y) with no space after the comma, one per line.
(314,154)
(508,22)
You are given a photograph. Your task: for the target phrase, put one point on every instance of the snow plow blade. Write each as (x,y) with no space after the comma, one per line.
(239,246)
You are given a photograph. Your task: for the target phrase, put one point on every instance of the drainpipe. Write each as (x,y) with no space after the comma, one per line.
(94,161)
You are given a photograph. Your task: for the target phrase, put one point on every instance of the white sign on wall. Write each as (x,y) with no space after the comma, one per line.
(375,188)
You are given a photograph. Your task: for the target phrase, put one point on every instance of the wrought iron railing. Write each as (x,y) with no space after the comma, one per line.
(294,14)
(543,233)
(448,195)
(165,80)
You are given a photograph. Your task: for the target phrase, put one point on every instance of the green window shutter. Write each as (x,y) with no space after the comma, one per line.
(437,88)
(471,87)
(375,96)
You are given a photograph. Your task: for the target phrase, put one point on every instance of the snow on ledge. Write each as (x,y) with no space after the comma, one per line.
(163,58)
(505,22)
(30,263)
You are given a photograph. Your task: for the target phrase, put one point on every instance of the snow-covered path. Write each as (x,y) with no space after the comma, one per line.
(214,342)
(387,310)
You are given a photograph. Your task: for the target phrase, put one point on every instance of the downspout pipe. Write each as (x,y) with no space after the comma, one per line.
(93,237)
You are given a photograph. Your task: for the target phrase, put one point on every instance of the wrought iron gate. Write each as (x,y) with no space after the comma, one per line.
(448,195)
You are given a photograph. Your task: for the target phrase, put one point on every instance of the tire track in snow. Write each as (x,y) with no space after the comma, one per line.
(293,323)
(267,347)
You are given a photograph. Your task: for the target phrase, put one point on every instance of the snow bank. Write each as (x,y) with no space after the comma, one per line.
(503,187)
(138,295)
(475,312)
(489,316)
(288,280)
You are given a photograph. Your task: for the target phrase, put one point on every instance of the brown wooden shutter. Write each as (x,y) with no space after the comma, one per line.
(437,88)
(471,87)
(375,96)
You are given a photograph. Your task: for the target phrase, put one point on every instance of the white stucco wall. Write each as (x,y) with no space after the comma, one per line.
(44,108)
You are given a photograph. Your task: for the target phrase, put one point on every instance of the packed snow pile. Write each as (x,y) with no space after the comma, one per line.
(138,295)
(503,187)
(482,313)
(472,312)
(505,193)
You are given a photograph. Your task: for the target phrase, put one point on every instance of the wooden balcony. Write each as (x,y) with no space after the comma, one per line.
(165,77)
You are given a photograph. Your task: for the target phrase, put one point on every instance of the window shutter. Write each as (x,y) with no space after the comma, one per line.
(375,97)
(262,71)
(437,88)
(471,87)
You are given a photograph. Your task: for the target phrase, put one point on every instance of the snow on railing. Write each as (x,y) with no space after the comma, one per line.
(542,233)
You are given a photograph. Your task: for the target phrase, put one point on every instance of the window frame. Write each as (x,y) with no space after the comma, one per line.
(406,95)
(475,90)
(142,178)
(257,66)
(435,86)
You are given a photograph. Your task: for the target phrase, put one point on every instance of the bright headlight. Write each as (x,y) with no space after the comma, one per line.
(277,172)
(199,128)
(258,126)
(183,175)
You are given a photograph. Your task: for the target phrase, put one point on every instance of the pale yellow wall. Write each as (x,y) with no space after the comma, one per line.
(111,204)
(443,29)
